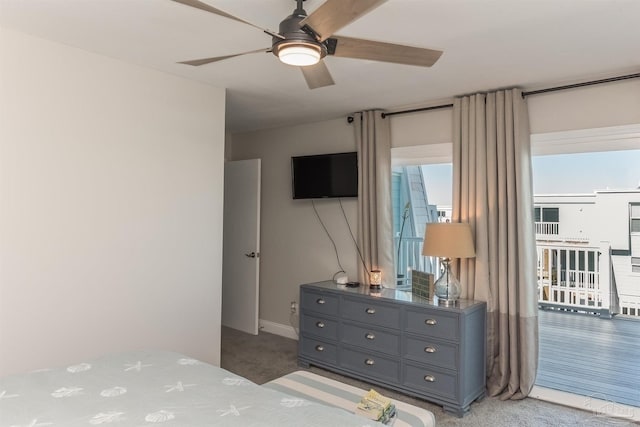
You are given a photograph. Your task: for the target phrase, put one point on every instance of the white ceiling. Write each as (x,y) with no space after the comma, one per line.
(487,44)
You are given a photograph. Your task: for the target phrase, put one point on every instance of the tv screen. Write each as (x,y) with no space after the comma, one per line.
(326,175)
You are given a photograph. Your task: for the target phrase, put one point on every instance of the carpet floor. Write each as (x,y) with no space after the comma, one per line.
(264,357)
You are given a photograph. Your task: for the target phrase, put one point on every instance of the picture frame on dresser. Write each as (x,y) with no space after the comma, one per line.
(398,340)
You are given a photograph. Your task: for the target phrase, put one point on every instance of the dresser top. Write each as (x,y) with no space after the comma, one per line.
(391,294)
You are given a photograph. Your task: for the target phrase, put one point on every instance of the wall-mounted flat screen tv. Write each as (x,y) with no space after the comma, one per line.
(325,175)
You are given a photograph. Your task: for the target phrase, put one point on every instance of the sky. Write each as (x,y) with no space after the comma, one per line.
(586,172)
(557,174)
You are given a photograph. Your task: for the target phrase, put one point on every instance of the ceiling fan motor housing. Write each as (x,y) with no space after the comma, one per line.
(294,35)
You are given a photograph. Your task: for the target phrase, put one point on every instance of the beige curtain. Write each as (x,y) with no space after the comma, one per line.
(492,189)
(373,138)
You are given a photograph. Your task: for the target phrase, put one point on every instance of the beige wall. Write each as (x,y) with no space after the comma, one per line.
(610,104)
(604,105)
(294,247)
(111,190)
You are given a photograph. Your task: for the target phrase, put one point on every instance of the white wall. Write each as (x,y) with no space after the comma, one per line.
(295,249)
(111,184)
(597,217)
(613,207)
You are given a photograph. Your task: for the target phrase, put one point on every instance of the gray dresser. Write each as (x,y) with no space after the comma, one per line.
(397,340)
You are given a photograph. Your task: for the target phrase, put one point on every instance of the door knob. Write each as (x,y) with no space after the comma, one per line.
(251,255)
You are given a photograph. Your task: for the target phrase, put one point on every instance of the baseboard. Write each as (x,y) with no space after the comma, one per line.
(598,405)
(278,329)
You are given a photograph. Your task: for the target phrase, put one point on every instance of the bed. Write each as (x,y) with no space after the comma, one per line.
(324,390)
(155,388)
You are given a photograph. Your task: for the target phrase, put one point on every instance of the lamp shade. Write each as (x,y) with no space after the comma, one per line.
(448,240)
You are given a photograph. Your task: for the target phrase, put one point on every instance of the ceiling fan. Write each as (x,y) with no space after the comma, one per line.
(304,40)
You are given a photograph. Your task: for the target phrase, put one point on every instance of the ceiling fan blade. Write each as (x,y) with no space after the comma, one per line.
(335,14)
(348,47)
(203,6)
(317,75)
(198,62)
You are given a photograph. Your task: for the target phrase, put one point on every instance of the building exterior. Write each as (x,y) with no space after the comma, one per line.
(589,251)
(411,211)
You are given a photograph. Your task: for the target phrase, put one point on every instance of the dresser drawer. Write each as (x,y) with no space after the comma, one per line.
(433,323)
(319,326)
(320,303)
(318,350)
(384,368)
(371,338)
(433,352)
(430,380)
(370,312)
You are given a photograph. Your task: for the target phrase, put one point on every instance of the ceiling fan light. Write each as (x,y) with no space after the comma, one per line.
(299,55)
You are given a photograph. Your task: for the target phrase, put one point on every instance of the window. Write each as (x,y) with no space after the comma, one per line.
(634,227)
(635,217)
(550,214)
(422,183)
(547,220)
(574,172)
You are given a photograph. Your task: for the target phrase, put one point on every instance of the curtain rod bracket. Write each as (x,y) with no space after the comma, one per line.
(350,119)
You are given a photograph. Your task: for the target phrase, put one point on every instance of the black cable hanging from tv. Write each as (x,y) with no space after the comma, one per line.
(335,248)
(364,264)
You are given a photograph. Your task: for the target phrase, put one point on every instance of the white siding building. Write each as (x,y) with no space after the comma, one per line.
(593,241)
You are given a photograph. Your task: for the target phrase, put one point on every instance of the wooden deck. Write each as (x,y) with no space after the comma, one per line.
(589,356)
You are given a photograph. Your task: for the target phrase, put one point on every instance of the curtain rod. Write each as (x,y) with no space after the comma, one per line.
(575,85)
(524,94)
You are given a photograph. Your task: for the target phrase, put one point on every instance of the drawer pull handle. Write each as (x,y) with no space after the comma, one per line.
(319,348)
(370,336)
(320,301)
(429,378)
(429,350)
(369,362)
(320,325)
(371,311)
(430,322)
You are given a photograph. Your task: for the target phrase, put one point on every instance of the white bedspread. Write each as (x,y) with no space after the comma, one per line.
(154,388)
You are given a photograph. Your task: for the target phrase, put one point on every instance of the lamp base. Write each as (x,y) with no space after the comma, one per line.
(447,302)
(447,288)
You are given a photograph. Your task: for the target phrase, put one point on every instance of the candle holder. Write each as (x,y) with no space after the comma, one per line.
(375,279)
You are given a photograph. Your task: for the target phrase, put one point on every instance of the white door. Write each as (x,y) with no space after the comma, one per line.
(241,253)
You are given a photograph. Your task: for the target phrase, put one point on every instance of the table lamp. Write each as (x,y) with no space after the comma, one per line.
(446,241)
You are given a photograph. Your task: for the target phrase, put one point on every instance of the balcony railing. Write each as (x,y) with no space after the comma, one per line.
(410,258)
(576,278)
(547,228)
